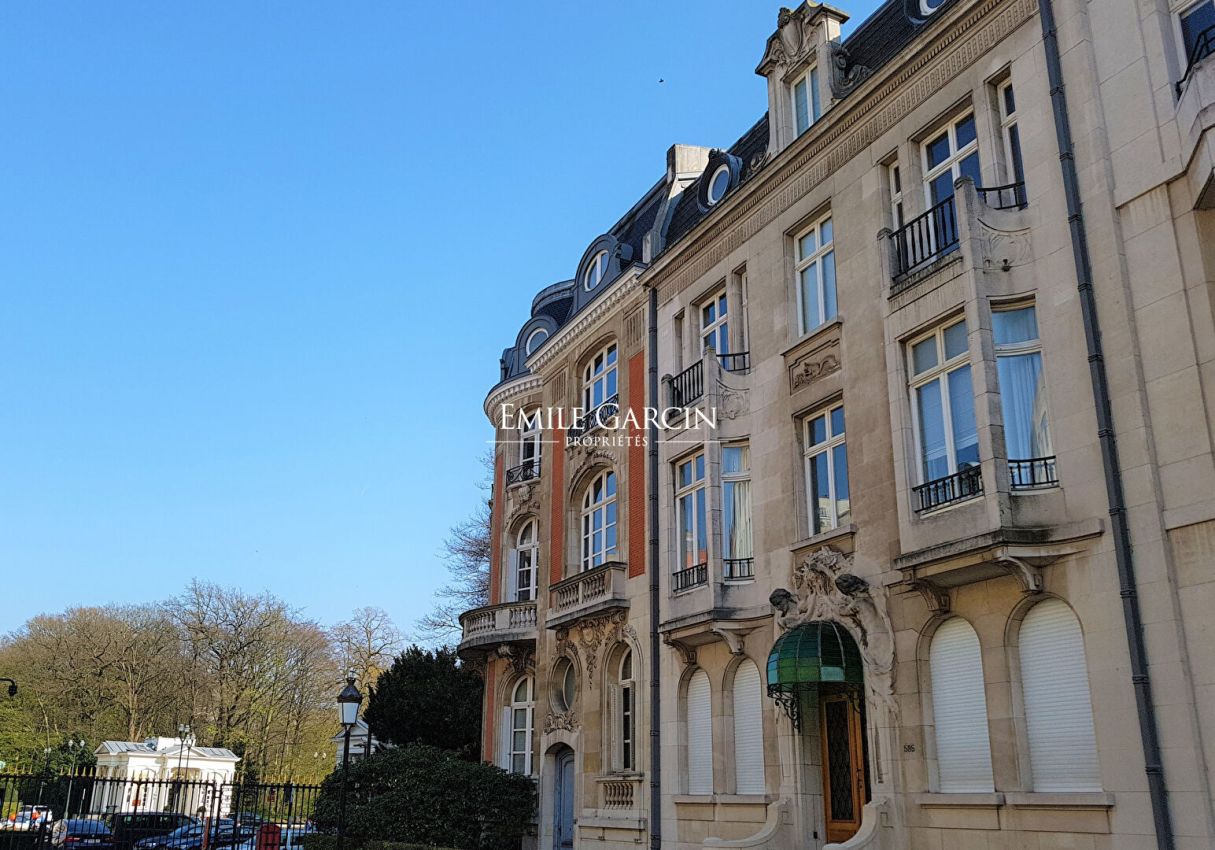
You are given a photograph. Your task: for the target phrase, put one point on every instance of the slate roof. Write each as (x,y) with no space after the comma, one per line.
(882,35)
(141,748)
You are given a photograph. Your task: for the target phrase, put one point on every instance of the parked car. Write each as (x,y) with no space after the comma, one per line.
(128,829)
(290,838)
(28,818)
(81,832)
(218,833)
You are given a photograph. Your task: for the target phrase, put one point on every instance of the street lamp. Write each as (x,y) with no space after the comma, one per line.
(75,748)
(348,713)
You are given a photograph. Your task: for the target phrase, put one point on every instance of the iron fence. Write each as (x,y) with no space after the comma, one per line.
(688,385)
(691,577)
(951,488)
(925,237)
(1009,197)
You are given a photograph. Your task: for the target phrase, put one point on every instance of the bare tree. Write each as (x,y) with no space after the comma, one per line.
(367,643)
(466,552)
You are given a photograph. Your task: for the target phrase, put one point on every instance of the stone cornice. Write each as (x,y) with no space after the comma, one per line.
(502,393)
(624,286)
(877,105)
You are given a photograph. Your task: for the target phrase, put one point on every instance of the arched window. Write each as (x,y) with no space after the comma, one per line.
(748,730)
(599,520)
(527,554)
(599,378)
(534,340)
(1058,708)
(622,694)
(700,734)
(529,445)
(518,725)
(959,709)
(565,685)
(595,270)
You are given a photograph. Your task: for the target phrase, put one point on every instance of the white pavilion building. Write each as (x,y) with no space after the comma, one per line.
(164,774)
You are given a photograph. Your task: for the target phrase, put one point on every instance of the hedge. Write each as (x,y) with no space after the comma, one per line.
(427,797)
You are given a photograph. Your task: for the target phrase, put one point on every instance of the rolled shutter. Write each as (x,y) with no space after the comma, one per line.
(959,709)
(748,731)
(613,727)
(700,735)
(1058,707)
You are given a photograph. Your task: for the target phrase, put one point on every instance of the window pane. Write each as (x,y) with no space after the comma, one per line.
(820,493)
(937,150)
(941,187)
(955,340)
(518,763)
(818,430)
(702,531)
(837,421)
(1010,102)
(685,474)
(825,230)
(801,106)
(685,531)
(734,459)
(932,431)
(1023,398)
(966,131)
(829,308)
(923,355)
(843,507)
(611,484)
(709,314)
(1013,326)
(737,512)
(962,408)
(811,316)
(970,168)
(817,108)
(808,244)
(611,384)
(611,355)
(1193,23)
(699,461)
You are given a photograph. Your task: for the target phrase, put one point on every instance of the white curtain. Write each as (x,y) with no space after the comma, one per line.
(1022,395)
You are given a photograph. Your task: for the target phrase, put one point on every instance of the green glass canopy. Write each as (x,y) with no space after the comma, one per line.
(812,654)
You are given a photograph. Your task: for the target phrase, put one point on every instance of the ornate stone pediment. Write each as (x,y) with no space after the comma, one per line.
(586,637)
(566,721)
(793,40)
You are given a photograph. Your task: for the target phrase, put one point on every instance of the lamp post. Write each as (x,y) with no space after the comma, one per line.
(75,747)
(348,711)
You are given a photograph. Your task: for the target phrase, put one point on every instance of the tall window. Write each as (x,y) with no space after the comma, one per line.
(816,276)
(715,324)
(807,107)
(529,443)
(1023,395)
(950,154)
(693,527)
(599,520)
(894,178)
(595,270)
(624,714)
(826,461)
(700,734)
(1010,133)
(527,550)
(748,730)
(1058,708)
(943,402)
(959,709)
(599,378)
(1196,20)
(520,715)
(736,511)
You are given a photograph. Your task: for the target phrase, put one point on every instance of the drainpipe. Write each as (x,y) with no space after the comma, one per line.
(655,672)
(1105,433)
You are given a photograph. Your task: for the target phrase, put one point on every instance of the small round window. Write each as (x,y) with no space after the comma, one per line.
(564,685)
(719,184)
(534,340)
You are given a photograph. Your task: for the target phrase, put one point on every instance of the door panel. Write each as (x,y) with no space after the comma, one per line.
(843,765)
(563,827)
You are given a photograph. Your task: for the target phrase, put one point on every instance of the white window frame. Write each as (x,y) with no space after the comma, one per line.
(690,491)
(816,257)
(526,553)
(814,103)
(530,345)
(730,478)
(591,557)
(952,163)
(898,211)
(1033,346)
(530,438)
(939,372)
(813,450)
(606,377)
(627,721)
(595,271)
(719,328)
(709,197)
(1008,121)
(528,707)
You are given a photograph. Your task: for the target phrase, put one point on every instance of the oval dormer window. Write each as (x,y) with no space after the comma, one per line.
(595,270)
(927,7)
(534,340)
(719,184)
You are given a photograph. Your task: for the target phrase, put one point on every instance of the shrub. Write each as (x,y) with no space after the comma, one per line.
(423,795)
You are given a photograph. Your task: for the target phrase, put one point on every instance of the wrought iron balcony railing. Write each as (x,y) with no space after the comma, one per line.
(738,568)
(691,577)
(526,471)
(1204,46)
(1033,473)
(951,488)
(739,362)
(688,385)
(925,237)
(595,418)
(1009,197)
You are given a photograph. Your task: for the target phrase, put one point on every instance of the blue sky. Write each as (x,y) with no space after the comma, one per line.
(258,261)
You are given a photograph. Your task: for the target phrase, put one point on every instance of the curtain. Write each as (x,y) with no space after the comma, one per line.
(1022,395)
(738,519)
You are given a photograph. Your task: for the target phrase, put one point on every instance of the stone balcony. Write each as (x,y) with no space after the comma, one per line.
(586,593)
(494,625)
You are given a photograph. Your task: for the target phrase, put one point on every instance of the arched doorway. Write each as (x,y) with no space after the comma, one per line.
(563,800)
(815,673)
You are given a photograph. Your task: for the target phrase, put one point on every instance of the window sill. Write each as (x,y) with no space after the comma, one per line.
(824,537)
(814,333)
(693,799)
(1060,800)
(963,800)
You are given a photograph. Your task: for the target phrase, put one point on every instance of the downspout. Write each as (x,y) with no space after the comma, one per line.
(1105,433)
(655,672)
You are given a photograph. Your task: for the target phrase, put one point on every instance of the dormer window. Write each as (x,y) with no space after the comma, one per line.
(534,340)
(595,270)
(807,106)
(719,184)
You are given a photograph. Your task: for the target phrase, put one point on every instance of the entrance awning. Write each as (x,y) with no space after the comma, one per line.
(809,656)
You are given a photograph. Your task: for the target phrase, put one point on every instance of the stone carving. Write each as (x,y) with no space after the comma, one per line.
(1004,249)
(732,403)
(845,76)
(522,661)
(566,721)
(522,499)
(591,635)
(584,458)
(815,365)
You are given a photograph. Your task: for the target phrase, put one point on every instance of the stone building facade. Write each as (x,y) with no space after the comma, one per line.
(921,552)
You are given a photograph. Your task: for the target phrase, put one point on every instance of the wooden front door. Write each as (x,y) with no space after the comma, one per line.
(840,728)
